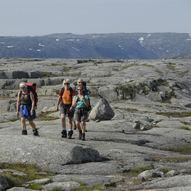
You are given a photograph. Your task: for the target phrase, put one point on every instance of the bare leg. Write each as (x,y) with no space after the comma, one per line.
(32,124)
(23,123)
(63,121)
(83,124)
(69,123)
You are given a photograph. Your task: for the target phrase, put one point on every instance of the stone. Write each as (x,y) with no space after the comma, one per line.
(3,183)
(102,111)
(63,185)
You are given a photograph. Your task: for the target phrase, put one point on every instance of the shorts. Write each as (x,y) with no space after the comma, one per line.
(24,111)
(65,109)
(81,114)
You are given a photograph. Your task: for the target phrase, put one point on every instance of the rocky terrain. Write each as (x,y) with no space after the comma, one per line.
(144,146)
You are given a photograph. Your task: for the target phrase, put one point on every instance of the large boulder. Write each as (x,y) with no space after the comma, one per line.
(3,183)
(43,152)
(109,92)
(102,111)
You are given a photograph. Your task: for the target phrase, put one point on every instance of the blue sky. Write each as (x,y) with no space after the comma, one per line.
(40,17)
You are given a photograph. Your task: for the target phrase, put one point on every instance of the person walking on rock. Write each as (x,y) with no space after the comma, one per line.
(65,101)
(26,108)
(80,102)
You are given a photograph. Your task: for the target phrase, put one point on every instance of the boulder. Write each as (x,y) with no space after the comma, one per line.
(109,92)
(19,75)
(61,185)
(44,153)
(102,111)
(3,183)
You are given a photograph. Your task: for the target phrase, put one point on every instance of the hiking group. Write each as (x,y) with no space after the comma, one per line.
(72,103)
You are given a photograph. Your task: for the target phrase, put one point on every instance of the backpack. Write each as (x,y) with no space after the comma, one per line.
(62,92)
(85,92)
(32,87)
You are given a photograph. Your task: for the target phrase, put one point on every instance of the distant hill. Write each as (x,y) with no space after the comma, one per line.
(115,46)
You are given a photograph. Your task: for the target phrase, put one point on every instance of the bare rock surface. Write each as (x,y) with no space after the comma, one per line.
(131,150)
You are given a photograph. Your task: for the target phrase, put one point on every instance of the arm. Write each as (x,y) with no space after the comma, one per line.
(18,104)
(74,101)
(58,102)
(85,100)
(33,103)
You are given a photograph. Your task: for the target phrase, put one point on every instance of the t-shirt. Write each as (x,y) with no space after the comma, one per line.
(66,97)
(80,103)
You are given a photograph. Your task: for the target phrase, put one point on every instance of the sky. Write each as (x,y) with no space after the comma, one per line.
(42,17)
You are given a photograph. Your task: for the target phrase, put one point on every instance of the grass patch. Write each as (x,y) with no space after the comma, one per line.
(175,114)
(185,128)
(171,66)
(148,65)
(186,123)
(67,69)
(84,188)
(57,189)
(48,74)
(182,74)
(129,65)
(46,117)
(30,170)
(184,149)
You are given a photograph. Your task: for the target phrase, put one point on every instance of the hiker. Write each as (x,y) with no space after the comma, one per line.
(65,98)
(26,108)
(80,83)
(80,103)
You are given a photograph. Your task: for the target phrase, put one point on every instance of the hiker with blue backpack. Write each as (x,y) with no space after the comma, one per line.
(80,103)
(65,101)
(26,107)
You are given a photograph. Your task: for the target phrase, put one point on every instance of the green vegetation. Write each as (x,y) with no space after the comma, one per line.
(57,189)
(171,66)
(46,117)
(148,65)
(186,123)
(67,69)
(185,128)
(129,65)
(175,114)
(184,149)
(31,172)
(182,74)
(84,188)
(171,159)
(48,74)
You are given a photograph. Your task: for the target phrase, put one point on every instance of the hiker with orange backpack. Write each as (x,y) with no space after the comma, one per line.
(65,101)
(26,107)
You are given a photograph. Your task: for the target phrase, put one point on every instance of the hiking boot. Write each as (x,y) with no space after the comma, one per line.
(80,135)
(24,132)
(70,133)
(83,137)
(64,134)
(35,132)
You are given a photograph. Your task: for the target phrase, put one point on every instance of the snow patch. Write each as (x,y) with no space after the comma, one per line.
(2,42)
(57,39)
(10,46)
(76,49)
(188,39)
(38,50)
(30,48)
(42,45)
(148,35)
(120,47)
